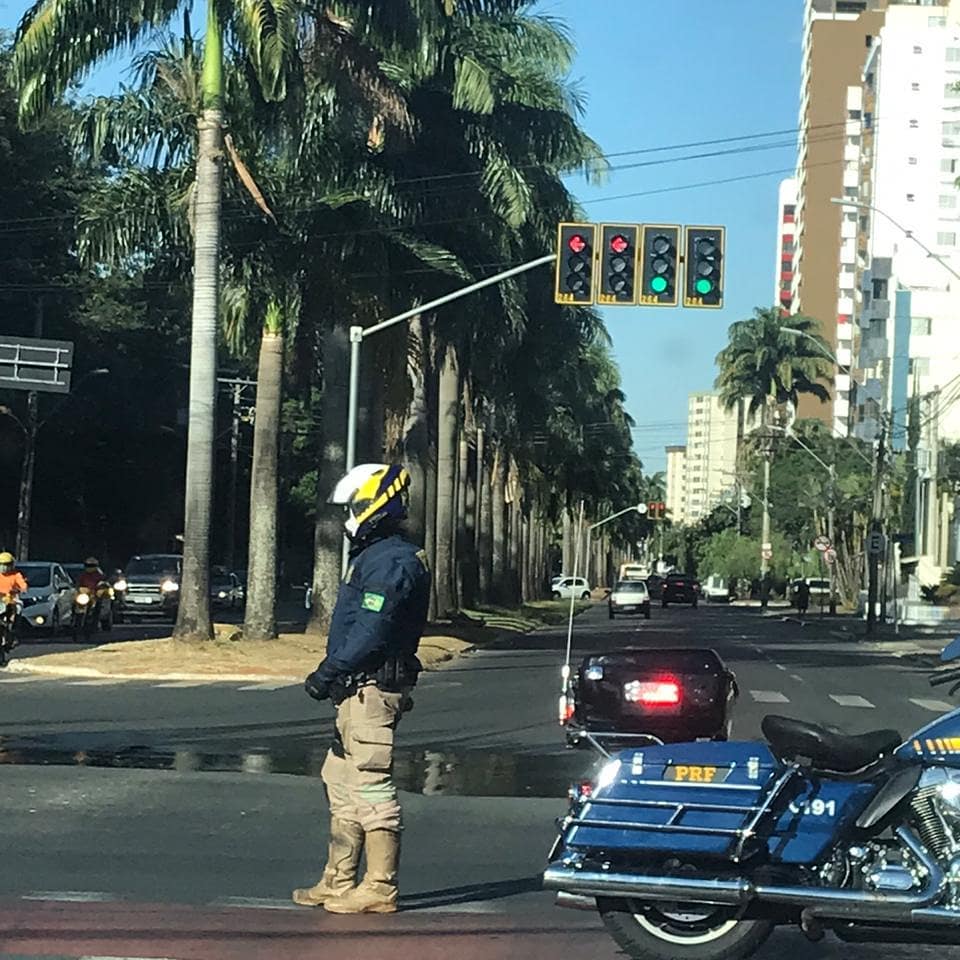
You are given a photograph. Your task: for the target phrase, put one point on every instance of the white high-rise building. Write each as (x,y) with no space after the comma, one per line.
(711,454)
(910,319)
(677,483)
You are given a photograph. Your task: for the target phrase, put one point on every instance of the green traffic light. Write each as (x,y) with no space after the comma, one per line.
(704,286)
(658,284)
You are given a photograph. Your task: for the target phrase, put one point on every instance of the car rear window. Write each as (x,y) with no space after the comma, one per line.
(631,585)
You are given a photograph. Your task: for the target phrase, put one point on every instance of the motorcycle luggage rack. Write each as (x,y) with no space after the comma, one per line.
(752,814)
(577,734)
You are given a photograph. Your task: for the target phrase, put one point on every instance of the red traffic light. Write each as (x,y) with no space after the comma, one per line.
(619,243)
(577,243)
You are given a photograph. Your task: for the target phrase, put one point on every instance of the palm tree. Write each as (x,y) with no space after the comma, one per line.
(762,364)
(60,41)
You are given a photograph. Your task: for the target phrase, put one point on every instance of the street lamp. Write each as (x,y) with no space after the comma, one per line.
(906,231)
(30,429)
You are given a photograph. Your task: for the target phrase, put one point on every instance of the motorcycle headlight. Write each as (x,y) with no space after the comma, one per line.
(120,586)
(222,594)
(169,586)
(83,599)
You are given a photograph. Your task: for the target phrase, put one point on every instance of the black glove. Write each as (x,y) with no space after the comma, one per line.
(316,686)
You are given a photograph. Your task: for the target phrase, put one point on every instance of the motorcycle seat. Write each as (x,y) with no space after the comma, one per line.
(824,749)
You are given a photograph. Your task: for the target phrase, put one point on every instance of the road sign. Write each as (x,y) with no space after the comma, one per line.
(876,543)
(830,555)
(28,363)
(766,553)
(822,543)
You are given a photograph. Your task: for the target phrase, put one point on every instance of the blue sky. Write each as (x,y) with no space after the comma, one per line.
(664,72)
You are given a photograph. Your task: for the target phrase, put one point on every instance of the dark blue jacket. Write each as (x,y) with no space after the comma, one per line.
(381,609)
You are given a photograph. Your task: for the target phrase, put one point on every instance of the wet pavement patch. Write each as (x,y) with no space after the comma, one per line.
(472,773)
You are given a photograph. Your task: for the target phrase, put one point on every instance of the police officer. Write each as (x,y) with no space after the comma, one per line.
(369,669)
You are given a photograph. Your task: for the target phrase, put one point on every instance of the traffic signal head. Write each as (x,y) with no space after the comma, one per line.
(660,282)
(618,264)
(704,263)
(575,252)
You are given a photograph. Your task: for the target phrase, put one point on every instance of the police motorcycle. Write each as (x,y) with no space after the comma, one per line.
(700,849)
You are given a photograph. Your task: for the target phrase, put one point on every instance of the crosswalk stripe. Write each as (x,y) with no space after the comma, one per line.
(93,682)
(851,700)
(935,706)
(180,684)
(768,696)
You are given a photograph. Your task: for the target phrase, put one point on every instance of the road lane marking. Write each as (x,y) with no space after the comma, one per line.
(851,700)
(180,684)
(92,682)
(780,666)
(9,679)
(266,687)
(255,903)
(70,896)
(935,706)
(769,696)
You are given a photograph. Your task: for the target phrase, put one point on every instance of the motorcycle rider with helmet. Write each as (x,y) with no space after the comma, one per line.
(368,672)
(12,585)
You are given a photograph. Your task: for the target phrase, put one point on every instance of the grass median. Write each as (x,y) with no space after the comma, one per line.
(228,657)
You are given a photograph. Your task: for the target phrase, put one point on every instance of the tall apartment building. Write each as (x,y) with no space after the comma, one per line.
(786,243)
(677,483)
(710,459)
(909,336)
(837,35)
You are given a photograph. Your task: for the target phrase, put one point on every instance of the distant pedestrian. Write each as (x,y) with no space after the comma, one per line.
(370,667)
(803,597)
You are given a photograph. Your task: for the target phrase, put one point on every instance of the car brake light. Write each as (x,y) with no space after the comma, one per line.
(655,693)
(566,710)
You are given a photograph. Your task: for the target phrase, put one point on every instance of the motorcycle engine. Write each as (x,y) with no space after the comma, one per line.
(936,812)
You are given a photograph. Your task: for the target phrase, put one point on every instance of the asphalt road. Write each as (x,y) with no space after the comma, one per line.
(139,820)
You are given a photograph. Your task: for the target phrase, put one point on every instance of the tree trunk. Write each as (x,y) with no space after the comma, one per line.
(463,454)
(448,404)
(484,526)
(416,441)
(515,545)
(567,555)
(193,619)
(498,527)
(328,527)
(260,621)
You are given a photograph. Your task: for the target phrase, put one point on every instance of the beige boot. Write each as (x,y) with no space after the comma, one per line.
(377,892)
(340,873)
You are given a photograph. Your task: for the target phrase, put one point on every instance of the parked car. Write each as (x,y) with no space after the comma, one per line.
(49,597)
(716,589)
(680,588)
(571,587)
(226,590)
(655,586)
(629,596)
(153,586)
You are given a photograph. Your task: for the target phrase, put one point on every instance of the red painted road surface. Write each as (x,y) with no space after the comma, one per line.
(45,928)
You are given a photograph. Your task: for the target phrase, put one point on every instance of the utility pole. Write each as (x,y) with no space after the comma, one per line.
(25,503)
(831,523)
(876,527)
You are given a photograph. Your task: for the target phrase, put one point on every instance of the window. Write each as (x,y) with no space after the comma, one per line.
(920,366)
(948,201)
(853,114)
(912,161)
(917,48)
(947,238)
(915,87)
(911,197)
(951,91)
(951,128)
(948,166)
(854,140)
(936,21)
(921,326)
(785,285)
(789,209)
(880,289)
(953,54)
(786,266)
(914,124)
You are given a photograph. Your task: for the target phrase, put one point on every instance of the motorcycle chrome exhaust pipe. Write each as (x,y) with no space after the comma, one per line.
(821,902)
(573,901)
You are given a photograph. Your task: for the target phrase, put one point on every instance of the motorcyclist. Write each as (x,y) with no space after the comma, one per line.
(369,669)
(12,585)
(92,578)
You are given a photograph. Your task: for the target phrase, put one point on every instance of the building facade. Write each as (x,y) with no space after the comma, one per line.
(710,457)
(836,37)
(786,244)
(677,483)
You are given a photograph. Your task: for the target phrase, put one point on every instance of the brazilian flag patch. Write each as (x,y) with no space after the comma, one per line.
(373,602)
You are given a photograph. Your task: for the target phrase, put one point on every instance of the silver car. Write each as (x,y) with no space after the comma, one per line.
(48,602)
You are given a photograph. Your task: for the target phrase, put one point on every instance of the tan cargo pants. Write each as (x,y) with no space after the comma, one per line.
(358,771)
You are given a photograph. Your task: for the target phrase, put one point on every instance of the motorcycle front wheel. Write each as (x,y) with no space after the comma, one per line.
(668,931)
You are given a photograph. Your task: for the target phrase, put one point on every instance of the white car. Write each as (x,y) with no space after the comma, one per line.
(567,587)
(715,589)
(48,602)
(630,596)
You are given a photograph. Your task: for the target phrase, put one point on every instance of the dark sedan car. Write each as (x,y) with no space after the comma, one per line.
(655,586)
(680,588)
(673,694)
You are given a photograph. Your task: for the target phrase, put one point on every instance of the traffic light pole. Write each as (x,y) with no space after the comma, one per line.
(359,334)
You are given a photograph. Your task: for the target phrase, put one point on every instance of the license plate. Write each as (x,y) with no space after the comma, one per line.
(629,608)
(695,773)
(144,600)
